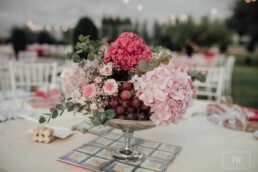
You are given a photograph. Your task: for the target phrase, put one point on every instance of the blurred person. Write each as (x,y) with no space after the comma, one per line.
(190,47)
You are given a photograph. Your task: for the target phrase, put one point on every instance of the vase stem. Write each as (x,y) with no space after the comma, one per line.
(128,135)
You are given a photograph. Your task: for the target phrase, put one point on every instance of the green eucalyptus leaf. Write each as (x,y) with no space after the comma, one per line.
(168,57)
(85,130)
(143,66)
(151,66)
(42,119)
(82,38)
(60,106)
(91,57)
(76,58)
(79,51)
(54,112)
(61,112)
(69,105)
(110,113)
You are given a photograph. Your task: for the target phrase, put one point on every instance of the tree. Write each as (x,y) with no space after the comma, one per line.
(18,39)
(85,26)
(45,38)
(244,21)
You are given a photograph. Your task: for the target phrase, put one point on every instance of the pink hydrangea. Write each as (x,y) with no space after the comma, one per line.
(127,51)
(173,93)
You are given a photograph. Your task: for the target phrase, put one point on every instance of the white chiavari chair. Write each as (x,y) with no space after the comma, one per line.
(212,88)
(27,56)
(229,66)
(31,75)
(4,74)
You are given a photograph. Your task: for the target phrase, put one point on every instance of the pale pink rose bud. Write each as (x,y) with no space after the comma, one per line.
(106,70)
(98,80)
(89,91)
(110,87)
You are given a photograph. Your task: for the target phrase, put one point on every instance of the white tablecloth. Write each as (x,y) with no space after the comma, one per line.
(205,147)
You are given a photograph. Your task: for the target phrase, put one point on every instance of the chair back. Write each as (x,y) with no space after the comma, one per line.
(212,88)
(27,56)
(29,75)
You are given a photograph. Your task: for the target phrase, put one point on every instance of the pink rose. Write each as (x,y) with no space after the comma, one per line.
(139,92)
(89,91)
(110,87)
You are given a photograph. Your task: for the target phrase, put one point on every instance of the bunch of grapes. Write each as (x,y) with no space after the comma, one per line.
(127,106)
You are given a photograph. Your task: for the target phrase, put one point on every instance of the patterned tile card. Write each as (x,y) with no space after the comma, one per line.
(116,145)
(150,144)
(88,148)
(169,148)
(144,150)
(105,153)
(154,164)
(120,167)
(95,163)
(102,142)
(162,155)
(143,170)
(75,157)
(112,136)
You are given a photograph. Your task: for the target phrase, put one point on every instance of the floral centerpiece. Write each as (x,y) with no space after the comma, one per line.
(124,81)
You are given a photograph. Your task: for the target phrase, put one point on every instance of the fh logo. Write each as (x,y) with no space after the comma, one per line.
(236,160)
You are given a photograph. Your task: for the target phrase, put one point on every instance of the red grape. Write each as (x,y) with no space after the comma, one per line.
(131,116)
(126,104)
(126,86)
(125,95)
(120,111)
(136,103)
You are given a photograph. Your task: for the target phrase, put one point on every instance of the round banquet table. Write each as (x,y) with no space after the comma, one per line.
(204,145)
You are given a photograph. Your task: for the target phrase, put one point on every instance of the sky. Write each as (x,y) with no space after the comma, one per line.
(67,12)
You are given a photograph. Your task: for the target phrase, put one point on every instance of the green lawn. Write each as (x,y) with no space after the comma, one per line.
(245,85)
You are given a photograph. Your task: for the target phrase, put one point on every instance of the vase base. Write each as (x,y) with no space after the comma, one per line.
(127,155)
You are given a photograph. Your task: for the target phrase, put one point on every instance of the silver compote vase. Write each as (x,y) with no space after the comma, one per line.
(128,153)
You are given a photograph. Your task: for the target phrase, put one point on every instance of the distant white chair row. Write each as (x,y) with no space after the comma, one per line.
(27,56)
(212,88)
(29,75)
(218,80)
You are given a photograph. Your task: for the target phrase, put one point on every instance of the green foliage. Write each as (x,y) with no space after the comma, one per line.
(144,66)
(86,49)
(197,76)
(85,26)
(244,21)
(205,34)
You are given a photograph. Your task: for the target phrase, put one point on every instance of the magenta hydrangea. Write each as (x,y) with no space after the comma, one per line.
(126,51)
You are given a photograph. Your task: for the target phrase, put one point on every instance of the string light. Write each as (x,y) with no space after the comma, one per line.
(126,1)
(184,17)
(214,11)
(139,7)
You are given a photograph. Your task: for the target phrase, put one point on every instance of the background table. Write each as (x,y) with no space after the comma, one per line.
(203,145)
